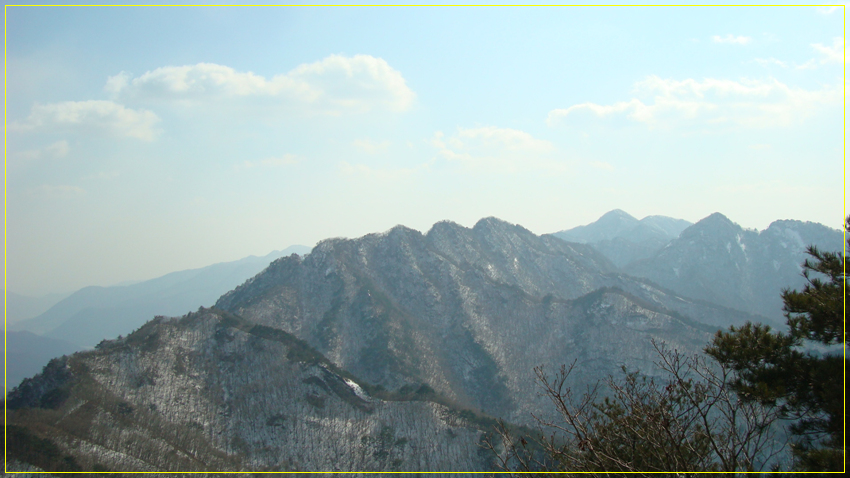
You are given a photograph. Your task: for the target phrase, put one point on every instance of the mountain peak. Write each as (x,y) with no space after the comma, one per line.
(618,214)
(716,219)
(492,222)
(607,227)
(713,225)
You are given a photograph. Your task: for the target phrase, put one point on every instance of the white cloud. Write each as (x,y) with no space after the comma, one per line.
(736,40)
(602,165)
(828,54)
(828,10)
(334,84)
(771,61)
(61,191)
(751,103)
(270,162)
(498,150)
(103,175)
(59,149)
(510,139)
(114,84)
(599,110)
(363,172)
(833,54)
(106,115)
(371,147)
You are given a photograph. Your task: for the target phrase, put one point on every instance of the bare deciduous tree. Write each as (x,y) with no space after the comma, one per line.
(689,421)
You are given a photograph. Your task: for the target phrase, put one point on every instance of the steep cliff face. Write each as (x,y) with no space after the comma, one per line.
(468,312)
(211,392)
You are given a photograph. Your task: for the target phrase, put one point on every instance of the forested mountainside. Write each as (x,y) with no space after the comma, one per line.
(715,259)
(211,392)
(719,261)
(470,312)
(392,351)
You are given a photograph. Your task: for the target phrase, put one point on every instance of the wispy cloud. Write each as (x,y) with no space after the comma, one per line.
(104,115)
(371,147)
(831,54)
(334,84)
(103,175)
(61,191)
(733,39)
(710,102)
(771,62)
(362,171)
(270,162)
(826,54)
(496,150)
(56,150)
(829,10)
(601,165)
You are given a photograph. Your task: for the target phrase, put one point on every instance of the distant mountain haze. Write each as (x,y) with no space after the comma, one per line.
(94,313)
(719,261)
(27,354)
(22,307)
(622,238)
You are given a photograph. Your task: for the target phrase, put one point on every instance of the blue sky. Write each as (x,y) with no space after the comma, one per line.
(142,141)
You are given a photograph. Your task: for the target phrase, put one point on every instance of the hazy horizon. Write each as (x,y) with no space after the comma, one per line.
(140,143)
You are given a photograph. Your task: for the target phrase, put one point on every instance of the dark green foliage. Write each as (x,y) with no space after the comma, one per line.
(414,392)
(47,390)
(808,386)
(278,420)
(41,452)
(299,351)
(317,382)
(385,445)
(317,401)
(54,398)
(124,408)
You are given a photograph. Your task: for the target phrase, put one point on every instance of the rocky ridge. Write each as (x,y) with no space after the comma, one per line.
(212,392)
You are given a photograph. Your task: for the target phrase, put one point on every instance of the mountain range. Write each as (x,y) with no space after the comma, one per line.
(86,317)
(395,351)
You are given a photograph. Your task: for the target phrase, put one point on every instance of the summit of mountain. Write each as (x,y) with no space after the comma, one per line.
(456,308)
(623,239)
(719,261)
(608,226)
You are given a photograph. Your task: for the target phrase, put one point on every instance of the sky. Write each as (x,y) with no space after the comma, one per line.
(141,141)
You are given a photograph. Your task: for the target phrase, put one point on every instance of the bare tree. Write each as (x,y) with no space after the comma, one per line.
(688,421)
